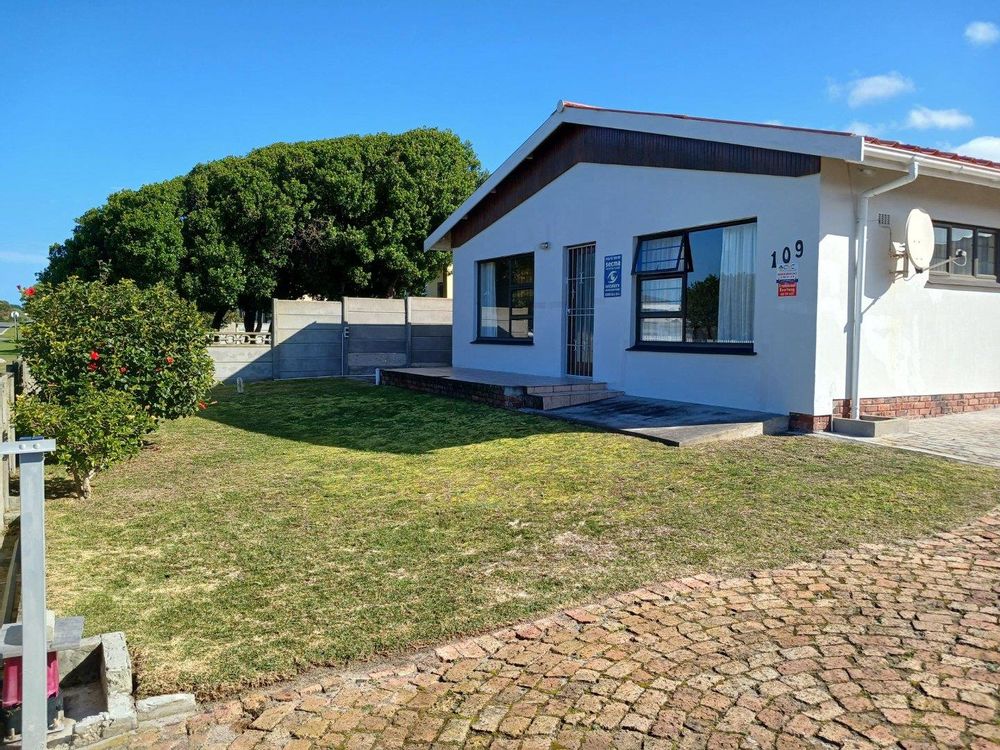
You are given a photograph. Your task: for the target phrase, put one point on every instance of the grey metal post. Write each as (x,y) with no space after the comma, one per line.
(31,453)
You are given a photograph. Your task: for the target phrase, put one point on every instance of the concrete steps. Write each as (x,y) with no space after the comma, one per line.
(560,396)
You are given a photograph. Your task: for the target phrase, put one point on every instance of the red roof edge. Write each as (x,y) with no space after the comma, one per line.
(924,151)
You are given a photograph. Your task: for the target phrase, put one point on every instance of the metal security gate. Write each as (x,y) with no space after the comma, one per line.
(580,311)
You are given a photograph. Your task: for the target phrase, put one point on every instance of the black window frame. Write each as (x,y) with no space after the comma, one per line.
(511,317)
(945,271)
(703,347)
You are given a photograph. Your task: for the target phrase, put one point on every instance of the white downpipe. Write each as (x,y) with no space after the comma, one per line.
(858,289)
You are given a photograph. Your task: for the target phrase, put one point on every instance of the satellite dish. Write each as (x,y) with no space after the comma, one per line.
(919,239)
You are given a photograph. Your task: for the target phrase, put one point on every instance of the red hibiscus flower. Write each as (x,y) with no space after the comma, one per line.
(122,370)
(29,292)
(94,356)
(92,366)
(170,360)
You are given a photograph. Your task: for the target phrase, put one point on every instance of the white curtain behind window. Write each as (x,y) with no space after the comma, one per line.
(488,300)
(736,284)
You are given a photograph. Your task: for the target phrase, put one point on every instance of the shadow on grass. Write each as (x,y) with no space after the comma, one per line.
(363,417)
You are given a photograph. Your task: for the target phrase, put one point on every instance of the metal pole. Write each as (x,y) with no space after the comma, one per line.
(31,453)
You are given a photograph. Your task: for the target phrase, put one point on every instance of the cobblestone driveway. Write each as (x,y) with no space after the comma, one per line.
(970,437)
(886,646)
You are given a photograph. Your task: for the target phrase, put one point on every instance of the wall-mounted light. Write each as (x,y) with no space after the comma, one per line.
(543,245)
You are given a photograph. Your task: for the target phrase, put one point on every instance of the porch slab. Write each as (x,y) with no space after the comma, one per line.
(492,377)
(674,423)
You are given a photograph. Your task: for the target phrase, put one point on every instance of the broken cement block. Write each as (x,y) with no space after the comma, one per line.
(116,670)
(162,706)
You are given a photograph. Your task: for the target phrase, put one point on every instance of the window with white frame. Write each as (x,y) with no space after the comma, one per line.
(695,288)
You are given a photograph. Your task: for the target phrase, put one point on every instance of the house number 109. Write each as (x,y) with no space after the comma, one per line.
(786,254)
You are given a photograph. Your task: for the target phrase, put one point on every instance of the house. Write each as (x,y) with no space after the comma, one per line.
(713,262)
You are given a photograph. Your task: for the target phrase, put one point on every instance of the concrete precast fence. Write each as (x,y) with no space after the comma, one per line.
(341,338)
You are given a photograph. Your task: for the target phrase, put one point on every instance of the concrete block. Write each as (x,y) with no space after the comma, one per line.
(869,427)
(162,706)
(116,669)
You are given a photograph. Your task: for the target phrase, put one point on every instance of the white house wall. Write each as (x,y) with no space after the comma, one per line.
(612,205)
(916,339)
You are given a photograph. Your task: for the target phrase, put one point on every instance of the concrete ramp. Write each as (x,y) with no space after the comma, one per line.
(672,422)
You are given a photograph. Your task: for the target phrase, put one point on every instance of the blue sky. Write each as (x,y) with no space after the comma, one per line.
(98,96)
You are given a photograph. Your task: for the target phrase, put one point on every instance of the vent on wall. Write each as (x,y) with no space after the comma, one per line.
(884,220)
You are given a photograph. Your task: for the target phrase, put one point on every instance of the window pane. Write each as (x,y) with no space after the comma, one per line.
(986,253)
(520,329)
(940,244)
(661,295)
(660,329)
(961,239)
(488,299)
(523,269)
(520,301)
(703,285)
(662,254)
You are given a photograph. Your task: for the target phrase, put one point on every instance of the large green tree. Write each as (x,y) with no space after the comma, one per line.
(324,218)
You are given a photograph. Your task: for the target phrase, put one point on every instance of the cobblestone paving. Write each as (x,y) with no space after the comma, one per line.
(894,646)
(974,436)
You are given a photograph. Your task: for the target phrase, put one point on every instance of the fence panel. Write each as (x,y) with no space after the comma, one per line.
(352,337)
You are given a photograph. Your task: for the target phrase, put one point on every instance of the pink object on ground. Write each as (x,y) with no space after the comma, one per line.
(12,680)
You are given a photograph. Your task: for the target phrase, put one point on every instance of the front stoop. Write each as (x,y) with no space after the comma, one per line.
(548,397)
(869,426)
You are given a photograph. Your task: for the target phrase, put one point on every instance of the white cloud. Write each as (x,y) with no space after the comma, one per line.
(982,33)
(983,147)
(878,88)
(924,118)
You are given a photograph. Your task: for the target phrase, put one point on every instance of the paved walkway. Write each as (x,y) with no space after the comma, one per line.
(974,436)
(884,647)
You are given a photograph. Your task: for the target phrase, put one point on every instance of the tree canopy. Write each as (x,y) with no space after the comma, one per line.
(344,216)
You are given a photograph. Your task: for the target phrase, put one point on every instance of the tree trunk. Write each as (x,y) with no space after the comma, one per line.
(82,482)
(218,319)
(250,319)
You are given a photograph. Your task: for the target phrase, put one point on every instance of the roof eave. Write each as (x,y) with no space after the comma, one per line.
(887,157)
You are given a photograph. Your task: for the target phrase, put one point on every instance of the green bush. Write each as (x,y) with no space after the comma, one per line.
(93,429)
(148,343)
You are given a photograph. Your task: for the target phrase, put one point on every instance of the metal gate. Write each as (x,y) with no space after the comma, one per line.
(580,311)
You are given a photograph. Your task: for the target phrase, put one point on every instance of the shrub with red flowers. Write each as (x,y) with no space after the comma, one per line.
(87,341)
(149,343)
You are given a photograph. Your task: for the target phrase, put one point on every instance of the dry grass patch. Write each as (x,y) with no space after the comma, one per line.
(314,522)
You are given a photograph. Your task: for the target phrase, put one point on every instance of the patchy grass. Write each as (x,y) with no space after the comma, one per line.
(313,522)
(8,349)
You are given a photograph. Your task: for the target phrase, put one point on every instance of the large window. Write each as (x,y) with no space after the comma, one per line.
(695,288)
(979,244)
(507,299)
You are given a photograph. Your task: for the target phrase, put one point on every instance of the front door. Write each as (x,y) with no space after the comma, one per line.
(580,311)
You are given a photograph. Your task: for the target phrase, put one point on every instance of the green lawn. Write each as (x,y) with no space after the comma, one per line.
(313,522)
(8,349)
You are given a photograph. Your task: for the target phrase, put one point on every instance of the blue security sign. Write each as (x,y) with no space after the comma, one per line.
(613,276)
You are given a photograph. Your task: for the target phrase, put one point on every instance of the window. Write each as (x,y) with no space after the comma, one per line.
(507,298)
(695,288)
(979,244)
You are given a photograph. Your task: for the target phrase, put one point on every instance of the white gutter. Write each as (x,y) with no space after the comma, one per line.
(857,291)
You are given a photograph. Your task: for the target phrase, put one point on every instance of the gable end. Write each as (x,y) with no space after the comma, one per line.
(573,144)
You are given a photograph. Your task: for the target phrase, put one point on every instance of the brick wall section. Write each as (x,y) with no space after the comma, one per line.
(921,406)
(808,422)
(494,395)
(912,407)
